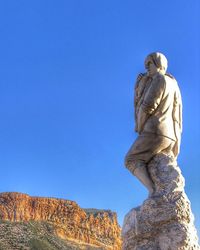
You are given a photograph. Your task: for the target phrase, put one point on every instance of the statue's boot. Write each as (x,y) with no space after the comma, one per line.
(142,174)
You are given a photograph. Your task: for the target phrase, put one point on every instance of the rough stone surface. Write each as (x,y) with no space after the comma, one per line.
(61,218)
(164,221)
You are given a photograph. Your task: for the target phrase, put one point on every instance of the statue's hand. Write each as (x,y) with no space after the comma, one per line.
(140,76)
(142,118)
(136,128)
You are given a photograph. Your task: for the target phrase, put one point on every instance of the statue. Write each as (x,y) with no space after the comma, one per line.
(158,118)
(164,220)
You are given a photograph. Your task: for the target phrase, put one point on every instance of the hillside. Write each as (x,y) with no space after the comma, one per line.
(48,223)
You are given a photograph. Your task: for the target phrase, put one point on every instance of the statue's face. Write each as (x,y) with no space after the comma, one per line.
(151,68)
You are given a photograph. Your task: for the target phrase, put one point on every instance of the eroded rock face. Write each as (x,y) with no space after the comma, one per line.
(97,227)
(164,221)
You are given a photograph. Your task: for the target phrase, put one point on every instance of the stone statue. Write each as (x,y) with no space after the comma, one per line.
(158,118)
(164,221)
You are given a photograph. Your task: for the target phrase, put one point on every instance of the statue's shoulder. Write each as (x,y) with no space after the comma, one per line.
(168,75)
(172,83)
(159,78)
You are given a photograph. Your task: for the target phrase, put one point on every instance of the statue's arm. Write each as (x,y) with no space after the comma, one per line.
(153,96)
(137,97)
(135,104)
(151,101)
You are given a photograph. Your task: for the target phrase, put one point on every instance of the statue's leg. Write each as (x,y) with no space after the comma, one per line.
(142,174)
(140,171)
(141,152)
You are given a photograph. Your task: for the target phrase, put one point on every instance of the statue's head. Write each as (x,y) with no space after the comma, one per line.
(156,62)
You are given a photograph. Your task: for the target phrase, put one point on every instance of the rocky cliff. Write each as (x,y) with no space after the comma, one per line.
(165,220)
(34,220)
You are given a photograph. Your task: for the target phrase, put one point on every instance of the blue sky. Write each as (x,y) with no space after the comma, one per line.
(67,70)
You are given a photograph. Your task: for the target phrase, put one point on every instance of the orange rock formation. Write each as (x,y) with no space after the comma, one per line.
(97,227)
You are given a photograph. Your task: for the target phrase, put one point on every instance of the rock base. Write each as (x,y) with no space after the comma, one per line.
(164,221)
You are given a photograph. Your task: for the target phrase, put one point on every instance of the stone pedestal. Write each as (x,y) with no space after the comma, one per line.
(164,221)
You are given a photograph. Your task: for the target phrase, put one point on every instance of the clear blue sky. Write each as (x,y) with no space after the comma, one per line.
(67,70)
